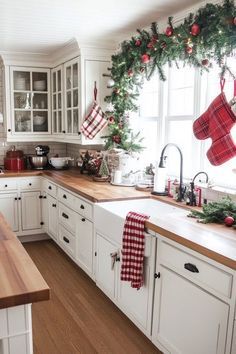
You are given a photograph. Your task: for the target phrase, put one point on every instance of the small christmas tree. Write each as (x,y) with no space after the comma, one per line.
(103,170)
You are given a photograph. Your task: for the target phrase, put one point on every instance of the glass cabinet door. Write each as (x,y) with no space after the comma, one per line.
(30,100)
(57,100)
(72,97)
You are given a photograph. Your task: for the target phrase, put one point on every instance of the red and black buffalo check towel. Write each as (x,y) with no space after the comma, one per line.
(93,122)
(133,249)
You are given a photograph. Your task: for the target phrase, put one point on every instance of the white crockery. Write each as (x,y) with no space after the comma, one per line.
(59,162)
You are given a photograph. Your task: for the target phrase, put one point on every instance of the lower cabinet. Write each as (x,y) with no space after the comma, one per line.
(9,209)
(66,241)
(84,244)
(31,216)
(52,217)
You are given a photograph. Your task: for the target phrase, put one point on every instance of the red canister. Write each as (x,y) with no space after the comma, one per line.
(14,163)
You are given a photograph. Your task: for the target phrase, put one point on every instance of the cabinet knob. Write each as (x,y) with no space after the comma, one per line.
(15,198)
(5,186)
(54,205)
(40,196)
(191,267)
(83,219)
(64,196)
(81,206)
(63,131)
(9,130)
(42,223)
(157,275)
(30,184)
(19,198)
(44,197)
(49,187)
(65,215)
(79,133)
(66,239)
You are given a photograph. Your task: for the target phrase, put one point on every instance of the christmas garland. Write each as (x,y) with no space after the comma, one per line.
(221,212)
(206,36)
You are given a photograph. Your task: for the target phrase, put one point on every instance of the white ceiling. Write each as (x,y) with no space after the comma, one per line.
(43,26)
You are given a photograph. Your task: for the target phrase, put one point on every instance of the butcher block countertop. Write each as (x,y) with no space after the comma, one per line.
(217,242)
(20,281)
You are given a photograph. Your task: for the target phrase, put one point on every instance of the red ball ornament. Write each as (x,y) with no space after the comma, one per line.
(195,29)
(130,73)
(145,58)
(111,120)
(205,62)
(138,42)
(169,31)
(229,221)
(116,139)
(150,45)
(189,49)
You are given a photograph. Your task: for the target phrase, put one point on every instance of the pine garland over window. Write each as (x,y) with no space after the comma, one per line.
(206,36)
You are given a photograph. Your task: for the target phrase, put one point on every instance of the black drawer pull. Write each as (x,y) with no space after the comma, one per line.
(30,184)
(9,130)
(66,239)
(81,206)
(83,219)
(5,185)
(65,216)
(54,205)
(49,187)
(157,275)
(40,196)
(191,267)
(44,197)
(42,223)
(64,196)
(16,198)
(19,198)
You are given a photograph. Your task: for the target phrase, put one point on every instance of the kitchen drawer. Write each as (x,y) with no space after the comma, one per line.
(67,217)
(30,183)
(8,184)
(208,275)
(50,188)
(66,197)
(67,241)
(84,208)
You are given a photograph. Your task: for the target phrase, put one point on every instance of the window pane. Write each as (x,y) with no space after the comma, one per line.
(148,99)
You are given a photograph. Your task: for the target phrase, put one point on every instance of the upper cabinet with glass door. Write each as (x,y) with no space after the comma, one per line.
(72,94)
(57,101)
(30,101)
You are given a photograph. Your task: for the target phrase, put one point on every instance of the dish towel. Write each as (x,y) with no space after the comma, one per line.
(133,249)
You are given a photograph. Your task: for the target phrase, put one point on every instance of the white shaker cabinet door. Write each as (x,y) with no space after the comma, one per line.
(31,210)
(106,270)
(187,319)
(84,244)
(9,209)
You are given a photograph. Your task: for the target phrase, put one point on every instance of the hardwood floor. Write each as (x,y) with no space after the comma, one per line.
(79,318)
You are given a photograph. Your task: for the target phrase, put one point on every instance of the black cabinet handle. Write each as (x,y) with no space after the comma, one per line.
(157,275)
(42,223)
(54,205)
(40,197)
(63,131)
(83,219)
(9,130)
(64,196)
(79,133)
(19,198)
(30,184)
(81,206)
(49,187)
(191,267)
(65,216)
(44,197)
(66,239)
(16,198)
(5,186)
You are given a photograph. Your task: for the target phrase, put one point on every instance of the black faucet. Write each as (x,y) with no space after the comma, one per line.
(192,197)
(162,165)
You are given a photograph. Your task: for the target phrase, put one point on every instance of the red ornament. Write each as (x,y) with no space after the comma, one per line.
(205,62)
(150,45)
(189,49)
(169,31)
(138,42)
(111,120)
(195,29)
(145,58)
(130,73)
(229,221)
(116,139)
(154,38)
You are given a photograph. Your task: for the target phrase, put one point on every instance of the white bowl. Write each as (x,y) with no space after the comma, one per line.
(39,120)
(40,85)
(59,162)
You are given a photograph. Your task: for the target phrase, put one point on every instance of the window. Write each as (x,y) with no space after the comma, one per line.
(166,114)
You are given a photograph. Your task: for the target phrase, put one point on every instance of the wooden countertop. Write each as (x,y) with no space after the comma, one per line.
(214,241)
(20,281)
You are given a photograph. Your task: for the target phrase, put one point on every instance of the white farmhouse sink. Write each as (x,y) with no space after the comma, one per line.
(109,217)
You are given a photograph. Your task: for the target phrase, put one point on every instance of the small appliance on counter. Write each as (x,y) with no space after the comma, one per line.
(60,163)
(40,161)
(14,160)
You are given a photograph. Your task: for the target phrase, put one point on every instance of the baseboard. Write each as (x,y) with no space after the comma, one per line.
(31,238)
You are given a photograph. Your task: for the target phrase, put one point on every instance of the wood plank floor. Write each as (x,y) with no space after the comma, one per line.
(79,318)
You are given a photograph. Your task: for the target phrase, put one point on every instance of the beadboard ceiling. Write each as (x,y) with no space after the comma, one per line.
(43,26)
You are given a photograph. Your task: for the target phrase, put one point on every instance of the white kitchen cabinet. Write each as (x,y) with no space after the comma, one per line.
(29,111)
(137,304)
(66,241)
(187,319)
(52,205)
(9,209)
(57,79)
(31,210)
(107,255)
(84,244)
